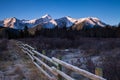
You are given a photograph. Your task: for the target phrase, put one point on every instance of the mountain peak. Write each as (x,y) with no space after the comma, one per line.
(67,16)
(91,21)
(47,16)
(12,18)
(71,19)
(94,18)
(48,21)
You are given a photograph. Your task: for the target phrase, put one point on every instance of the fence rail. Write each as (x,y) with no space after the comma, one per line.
(37,57)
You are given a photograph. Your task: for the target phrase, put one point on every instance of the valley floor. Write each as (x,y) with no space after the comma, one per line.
(86,53)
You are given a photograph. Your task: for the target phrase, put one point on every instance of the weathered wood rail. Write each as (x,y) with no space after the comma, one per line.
(37,59)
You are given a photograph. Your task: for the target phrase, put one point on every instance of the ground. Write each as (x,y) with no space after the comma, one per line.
(15,65)
(87,53)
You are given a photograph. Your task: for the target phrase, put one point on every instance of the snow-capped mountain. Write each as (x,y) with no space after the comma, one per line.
(46,17)
(65,21)
(89,22)
(47,21)
(13,23)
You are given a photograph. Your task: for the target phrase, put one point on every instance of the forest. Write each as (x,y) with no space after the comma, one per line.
(69,33)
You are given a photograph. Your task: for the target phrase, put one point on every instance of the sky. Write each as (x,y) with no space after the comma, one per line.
(106,10)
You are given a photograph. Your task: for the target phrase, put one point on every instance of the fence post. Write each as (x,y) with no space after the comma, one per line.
(59,67)
(98,71)
(43,52)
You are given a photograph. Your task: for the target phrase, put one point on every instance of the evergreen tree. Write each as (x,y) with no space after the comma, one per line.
(26,32)
(21,34)
(118,31)
(37,32)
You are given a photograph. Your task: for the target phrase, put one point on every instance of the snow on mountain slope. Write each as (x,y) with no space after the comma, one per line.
(50,24)
(13,23)
(43,19)
(29,21)
(47,17)
(65,21)
(19,24)
(47,21)
(91,21)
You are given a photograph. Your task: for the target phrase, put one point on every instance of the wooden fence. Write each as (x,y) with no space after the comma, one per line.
(53,72)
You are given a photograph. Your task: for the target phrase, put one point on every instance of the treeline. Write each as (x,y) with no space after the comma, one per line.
(96,32)
(11,33)
(69,33)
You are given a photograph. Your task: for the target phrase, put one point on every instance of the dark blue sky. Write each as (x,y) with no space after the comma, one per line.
(107,10)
